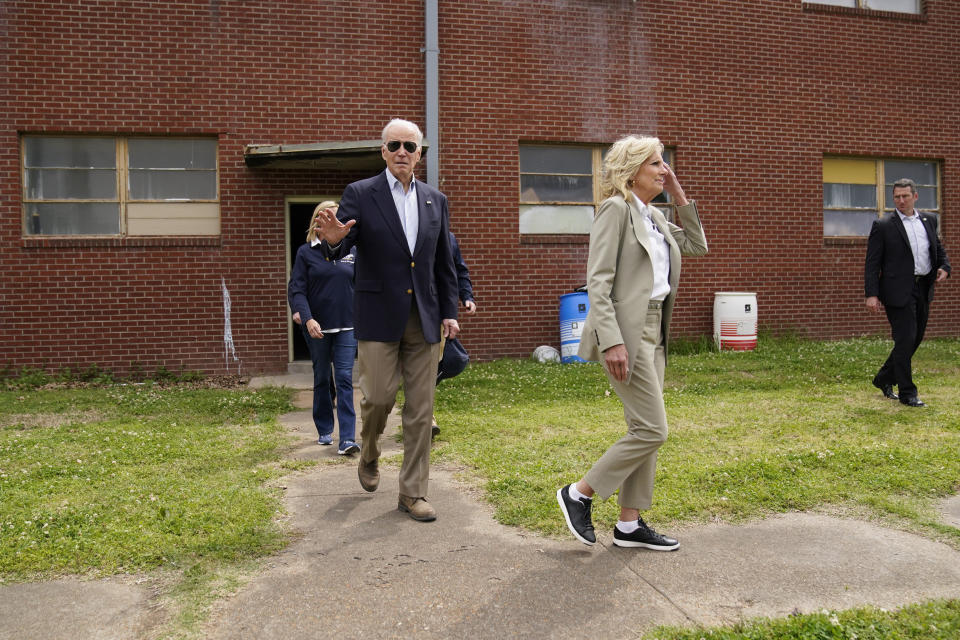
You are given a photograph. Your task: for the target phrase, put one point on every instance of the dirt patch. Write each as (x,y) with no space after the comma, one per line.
(207,382)
(950,509)
(24,421)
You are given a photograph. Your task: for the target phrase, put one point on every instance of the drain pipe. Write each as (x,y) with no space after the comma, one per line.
(432,50)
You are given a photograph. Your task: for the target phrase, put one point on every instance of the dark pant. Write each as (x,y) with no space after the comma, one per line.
(340,349)
(907,325)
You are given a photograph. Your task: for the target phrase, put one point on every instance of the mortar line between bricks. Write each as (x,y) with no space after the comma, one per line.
(653,586)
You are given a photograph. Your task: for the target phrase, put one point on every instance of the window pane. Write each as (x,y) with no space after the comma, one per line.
(902,6)
(850,195)
(556,219)
(556,188)
(849,171)
(848,223)
(69,152)
(919,172)
(542,159)
(64,184)
(102,218)
(662,197)
(158,153)
(928,198)
(171,184)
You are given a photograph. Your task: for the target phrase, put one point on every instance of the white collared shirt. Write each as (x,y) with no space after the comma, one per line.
(919,242)
(406,208)
(659,255)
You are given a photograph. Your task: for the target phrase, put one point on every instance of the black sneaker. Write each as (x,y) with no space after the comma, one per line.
(644,537)
(577,515)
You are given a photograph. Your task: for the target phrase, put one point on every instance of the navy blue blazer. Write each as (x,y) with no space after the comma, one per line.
(463,273)
(388,278)
(321,288)
(888,270)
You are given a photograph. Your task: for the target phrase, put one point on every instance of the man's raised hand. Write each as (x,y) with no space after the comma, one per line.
(330,228)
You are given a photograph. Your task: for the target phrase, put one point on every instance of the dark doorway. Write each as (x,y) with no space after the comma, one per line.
(300,214)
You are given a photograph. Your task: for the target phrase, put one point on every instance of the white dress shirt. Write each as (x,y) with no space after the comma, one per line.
(659,255)
(406,208)
(919,242)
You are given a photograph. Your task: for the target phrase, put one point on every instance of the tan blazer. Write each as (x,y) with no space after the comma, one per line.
(620,273)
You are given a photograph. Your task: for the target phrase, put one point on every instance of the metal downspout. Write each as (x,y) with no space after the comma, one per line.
(432,50)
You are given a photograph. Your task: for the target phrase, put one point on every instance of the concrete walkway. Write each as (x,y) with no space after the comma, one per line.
(361,569)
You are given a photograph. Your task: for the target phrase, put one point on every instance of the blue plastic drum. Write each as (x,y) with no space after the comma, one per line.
(573,313)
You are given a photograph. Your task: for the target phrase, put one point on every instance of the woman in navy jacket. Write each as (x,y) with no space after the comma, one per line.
(321,294)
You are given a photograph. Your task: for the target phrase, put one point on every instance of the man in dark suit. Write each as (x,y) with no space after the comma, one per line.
(455,356)
(904,260)
(405,298)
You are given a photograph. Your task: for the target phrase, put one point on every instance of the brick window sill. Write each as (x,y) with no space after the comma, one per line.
(873,13)
(119,242)
(555,238)
(858,241)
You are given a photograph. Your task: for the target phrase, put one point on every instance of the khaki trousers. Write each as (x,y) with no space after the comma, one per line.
(630,463)
(382,366)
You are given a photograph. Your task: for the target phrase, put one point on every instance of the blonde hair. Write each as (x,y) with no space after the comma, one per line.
(622,162)
(326,204)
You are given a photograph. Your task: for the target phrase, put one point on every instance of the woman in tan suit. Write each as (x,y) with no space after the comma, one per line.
(632,276)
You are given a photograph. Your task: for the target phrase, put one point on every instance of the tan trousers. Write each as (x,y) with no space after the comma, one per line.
(630,462)
(382,366)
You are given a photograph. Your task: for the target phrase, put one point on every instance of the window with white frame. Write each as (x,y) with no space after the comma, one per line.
(897,6)
(858,190)
(116,186)
(560,188)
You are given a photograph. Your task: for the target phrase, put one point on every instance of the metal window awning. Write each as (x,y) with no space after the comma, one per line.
(348,156)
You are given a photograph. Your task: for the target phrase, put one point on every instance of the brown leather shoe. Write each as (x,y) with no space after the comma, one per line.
(418,508)
(369,474)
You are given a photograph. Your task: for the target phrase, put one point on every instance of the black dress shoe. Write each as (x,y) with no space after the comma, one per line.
(887,389)
(913,402)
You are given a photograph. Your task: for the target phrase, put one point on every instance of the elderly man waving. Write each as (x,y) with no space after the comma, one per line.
(405,299)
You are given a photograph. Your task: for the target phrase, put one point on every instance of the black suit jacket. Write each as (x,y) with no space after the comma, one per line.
(888,272)
(388,279)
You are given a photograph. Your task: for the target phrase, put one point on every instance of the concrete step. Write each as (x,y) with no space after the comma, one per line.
(305,368)
(300,368)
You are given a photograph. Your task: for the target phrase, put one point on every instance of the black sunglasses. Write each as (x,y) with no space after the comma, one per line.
(410,146)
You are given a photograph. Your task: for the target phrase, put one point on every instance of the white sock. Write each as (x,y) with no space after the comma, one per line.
(576,495)
(628,527)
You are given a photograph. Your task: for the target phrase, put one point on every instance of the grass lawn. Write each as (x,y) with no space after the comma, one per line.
(938,620)
(179,481)
(117,479)
(794,425)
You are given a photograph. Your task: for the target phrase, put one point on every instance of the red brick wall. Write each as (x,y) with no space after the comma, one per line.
(751,94)
(262,72)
